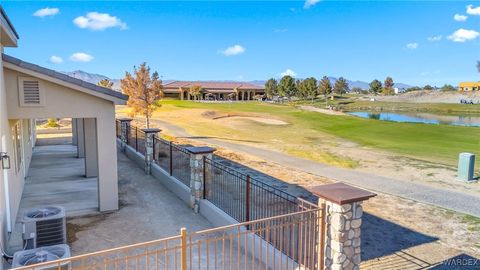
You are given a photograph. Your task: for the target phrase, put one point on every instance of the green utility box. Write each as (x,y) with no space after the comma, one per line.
(466,164)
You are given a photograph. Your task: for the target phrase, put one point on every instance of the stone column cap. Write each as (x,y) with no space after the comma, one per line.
(151,130)
(125,119)
(341,193)
(200,150)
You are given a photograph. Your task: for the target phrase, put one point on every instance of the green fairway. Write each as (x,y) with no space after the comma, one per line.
(435,143)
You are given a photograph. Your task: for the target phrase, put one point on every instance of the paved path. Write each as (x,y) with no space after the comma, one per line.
(445,198)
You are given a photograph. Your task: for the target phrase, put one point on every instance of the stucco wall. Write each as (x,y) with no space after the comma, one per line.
(60,102)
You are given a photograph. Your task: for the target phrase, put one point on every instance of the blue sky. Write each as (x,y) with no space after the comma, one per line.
(415,42)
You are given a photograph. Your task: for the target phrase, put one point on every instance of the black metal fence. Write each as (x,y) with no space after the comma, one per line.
(243,197)
(172,158)
(237,194)
(118,128)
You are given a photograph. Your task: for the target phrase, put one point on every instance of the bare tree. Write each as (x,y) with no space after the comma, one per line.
(143,89)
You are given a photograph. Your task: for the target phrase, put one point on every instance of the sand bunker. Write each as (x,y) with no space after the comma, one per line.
(268,121)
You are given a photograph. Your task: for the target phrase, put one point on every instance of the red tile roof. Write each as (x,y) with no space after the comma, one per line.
(213,85)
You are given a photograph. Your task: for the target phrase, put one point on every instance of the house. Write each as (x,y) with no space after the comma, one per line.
(469,86)
(213,90)
(29,91)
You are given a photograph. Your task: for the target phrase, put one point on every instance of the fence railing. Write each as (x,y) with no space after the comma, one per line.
(172,158)
(118,128)
(287,242)
(243,197)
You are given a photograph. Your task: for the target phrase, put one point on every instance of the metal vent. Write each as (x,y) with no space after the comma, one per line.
(42,255)
(31,92)
(44,226)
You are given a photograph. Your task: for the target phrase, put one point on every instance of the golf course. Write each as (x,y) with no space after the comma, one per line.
(314,135)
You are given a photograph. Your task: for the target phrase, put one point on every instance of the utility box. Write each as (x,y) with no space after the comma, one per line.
(466,164)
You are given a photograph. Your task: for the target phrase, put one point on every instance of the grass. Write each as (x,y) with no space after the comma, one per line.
(434,143)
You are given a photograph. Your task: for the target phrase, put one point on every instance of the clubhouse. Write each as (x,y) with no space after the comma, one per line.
(214,90)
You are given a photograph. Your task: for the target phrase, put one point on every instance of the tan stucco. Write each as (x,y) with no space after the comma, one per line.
(64,102)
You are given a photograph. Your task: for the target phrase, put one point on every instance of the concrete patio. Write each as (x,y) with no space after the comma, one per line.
(148,211)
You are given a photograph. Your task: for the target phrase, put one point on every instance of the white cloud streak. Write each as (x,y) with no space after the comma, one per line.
(289,72)
(435,38)
(81,57)
(310,3)
(44,12)
(233,50)
(460,17)
(412,46)
(99,21)
(56,59)
(463,35)
(475,11)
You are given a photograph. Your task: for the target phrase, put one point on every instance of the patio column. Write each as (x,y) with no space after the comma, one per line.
(343,210)
(107,162)
(125,128)
(80,138)
(197,182)
(149,147)
(74,132)
(91,154)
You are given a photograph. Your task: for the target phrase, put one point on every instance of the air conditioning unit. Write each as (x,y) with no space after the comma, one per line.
(44,226)
(41,255)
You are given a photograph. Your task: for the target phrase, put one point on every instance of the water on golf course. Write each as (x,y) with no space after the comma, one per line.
(472,120)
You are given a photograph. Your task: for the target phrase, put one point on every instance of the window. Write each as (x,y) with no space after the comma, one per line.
(17,144)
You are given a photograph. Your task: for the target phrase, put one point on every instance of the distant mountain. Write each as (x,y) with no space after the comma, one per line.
(95,78)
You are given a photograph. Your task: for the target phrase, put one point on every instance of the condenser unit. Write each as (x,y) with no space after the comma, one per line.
(42,255)
(44,226)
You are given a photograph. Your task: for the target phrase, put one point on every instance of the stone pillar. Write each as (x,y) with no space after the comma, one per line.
(125,128)
(196,173)
(149,134)
(343,224)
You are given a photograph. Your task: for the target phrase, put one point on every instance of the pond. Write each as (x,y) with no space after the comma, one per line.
(472,120)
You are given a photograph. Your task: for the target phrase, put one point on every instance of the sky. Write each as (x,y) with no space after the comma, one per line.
(415,42)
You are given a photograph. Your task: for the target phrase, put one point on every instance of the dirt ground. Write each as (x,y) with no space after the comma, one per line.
(319,147)
(398,233)
(431,96)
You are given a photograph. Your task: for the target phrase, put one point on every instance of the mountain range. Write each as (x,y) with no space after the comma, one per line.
(95,78)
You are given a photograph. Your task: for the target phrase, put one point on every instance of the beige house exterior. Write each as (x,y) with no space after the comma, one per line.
(27,92)
(213,90)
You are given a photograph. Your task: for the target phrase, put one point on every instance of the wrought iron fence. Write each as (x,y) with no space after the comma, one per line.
(180,160)
(118,128)
(132,140)
(162,153)
(290,241)
(243,197)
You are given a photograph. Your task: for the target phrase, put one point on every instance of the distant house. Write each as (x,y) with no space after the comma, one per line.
(469,86)
(213,90)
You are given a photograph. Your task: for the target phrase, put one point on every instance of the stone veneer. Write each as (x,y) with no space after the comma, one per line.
(197,155)
(343,231)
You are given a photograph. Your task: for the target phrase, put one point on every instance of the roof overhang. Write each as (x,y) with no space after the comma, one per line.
(8,36)
(49,75)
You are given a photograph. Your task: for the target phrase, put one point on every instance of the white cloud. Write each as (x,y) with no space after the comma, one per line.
(310,3)
(233,50)
(289,72)
(46,12)
(435,38)
(473,10)
(462,35)
(56,59)
(460,17)
(99,21)
(81,57)
(412,46)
